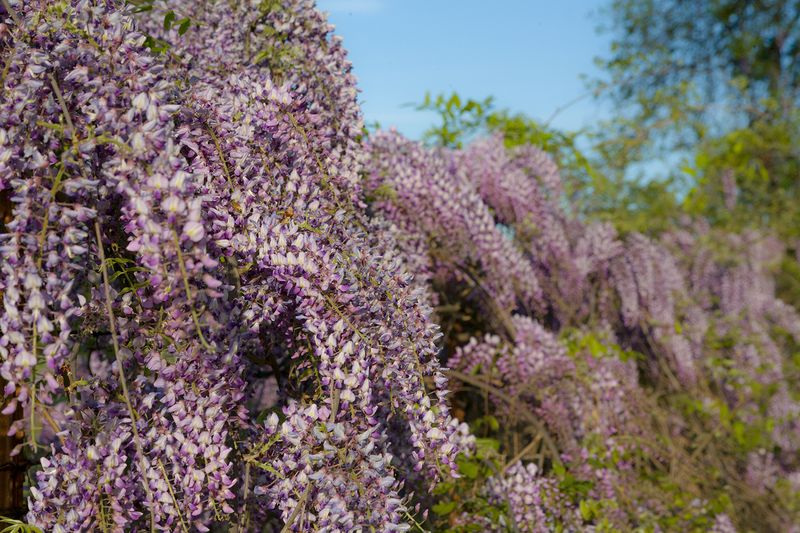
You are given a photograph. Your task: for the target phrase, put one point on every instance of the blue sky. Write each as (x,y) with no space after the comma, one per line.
(528,54)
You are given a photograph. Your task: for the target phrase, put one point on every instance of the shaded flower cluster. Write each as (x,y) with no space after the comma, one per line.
(692,312)
(536,505)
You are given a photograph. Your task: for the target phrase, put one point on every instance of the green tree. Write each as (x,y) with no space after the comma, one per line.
(714,84)
(681,70)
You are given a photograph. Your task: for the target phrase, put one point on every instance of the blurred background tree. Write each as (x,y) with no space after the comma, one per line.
(714,86)
(706,122)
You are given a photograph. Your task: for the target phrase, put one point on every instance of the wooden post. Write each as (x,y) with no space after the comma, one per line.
(12,469)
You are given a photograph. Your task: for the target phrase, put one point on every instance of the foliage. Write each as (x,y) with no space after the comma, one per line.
(748,177)
(714,84)
(688,70)
(16,526)
(462,120)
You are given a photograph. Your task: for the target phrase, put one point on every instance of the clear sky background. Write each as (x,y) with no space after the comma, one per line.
(528,54)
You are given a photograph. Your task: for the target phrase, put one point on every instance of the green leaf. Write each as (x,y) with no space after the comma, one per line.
(169,18)
(444,508)
(485,446)
(184,25)
(157,46)
(586,510)
(16,526)
(442,488)
(468,468)
(595,347)
(268,468)
(261,56)
(571,485)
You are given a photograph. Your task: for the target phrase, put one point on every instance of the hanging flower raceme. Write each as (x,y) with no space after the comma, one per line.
(430,197)
(691,313)
(182,225)
(536,505)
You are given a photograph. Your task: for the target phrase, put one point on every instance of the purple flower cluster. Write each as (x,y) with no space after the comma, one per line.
(535,503)
(431,198)
(348,480)
(217,298)
(184,224)
(693,302)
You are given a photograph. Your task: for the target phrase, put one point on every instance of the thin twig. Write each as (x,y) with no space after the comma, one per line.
(123,383)
(53,424)
(188,290)
(415,522)
(494,391)
(296,511)
(218,145)
(565,106)
(497,311)
(62,103)
(46,221)
(11,12)
(244,520)
(34,444)
(172,493)
(531,446)
(334,404)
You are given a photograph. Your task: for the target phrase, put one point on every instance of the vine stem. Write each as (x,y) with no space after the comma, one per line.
(11,12)
(334,405)
(296,511)
(63,104)
(415,522)
(46,222)
(122,381)
(531,446)
(218,145)
(172,493)
(244,520)
(34,444)
(188,290)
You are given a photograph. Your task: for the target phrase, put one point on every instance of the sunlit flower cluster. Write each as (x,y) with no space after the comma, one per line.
(187,226)
(221,299)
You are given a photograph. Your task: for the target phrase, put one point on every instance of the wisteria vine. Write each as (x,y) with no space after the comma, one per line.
(228,307)
(604,326)
(185,225)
